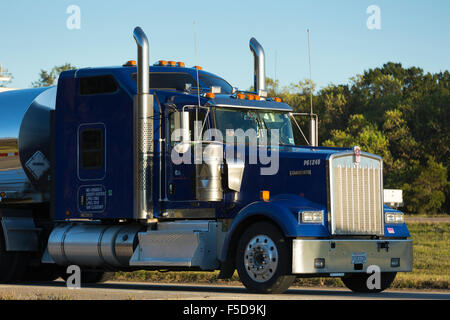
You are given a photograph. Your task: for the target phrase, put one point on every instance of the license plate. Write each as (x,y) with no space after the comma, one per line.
(359,258)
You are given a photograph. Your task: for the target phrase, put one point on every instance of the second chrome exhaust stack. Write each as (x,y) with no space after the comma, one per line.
(143,133)
(260,66)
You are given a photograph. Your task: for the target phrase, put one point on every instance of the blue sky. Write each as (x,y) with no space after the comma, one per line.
(34,36)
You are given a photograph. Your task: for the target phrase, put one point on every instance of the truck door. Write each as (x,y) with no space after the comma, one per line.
(180,167)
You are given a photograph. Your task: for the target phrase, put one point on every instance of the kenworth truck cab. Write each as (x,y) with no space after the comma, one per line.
(141,167)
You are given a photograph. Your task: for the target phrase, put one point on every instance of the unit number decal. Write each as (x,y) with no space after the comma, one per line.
(312,162)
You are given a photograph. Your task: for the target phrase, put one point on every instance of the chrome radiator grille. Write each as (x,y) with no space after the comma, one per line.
(356,195)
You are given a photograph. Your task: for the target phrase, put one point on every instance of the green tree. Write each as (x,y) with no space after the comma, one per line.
(426,193)
(361,132)
(47,78)
(401,114)
(5,77)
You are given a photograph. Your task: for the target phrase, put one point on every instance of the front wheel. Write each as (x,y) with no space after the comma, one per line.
(358,282)
(263,259)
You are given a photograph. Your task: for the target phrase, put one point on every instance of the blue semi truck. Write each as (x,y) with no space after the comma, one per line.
(116,168)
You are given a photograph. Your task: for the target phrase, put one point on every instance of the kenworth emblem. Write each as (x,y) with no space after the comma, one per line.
(356,154)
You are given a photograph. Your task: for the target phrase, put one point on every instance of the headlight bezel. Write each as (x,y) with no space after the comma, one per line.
(311,217)
(394,218)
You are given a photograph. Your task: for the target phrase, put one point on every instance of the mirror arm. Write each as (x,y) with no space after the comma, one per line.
(298,126)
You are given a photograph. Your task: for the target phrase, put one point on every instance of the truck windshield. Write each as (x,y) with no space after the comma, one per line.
(229,120)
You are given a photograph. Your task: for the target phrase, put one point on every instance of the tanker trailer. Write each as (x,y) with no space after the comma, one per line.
(25,177)
(25,145)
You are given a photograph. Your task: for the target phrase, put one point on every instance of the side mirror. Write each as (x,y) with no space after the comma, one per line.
(182,133)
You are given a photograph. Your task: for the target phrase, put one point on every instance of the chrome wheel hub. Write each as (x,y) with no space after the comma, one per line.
(261,258)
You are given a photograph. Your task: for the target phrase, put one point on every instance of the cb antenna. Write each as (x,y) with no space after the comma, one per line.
(313,130)
(310,73)
(196,63)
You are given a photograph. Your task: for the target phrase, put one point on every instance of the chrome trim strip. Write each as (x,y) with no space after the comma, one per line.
(200,213)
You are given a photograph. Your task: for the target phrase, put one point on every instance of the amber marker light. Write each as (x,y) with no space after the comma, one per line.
(240,96)
(210,95)
(162,62)
(250,97)
(172,63)
(130,63)
(277,99)
(198,68)
(264,195)
(181,64)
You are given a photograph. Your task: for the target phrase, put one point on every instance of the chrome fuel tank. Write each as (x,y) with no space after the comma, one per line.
(25,144)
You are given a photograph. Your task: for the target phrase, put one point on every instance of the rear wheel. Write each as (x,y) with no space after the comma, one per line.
(263,259)
(88,276)
(357,282)
(12,264)
(43,272)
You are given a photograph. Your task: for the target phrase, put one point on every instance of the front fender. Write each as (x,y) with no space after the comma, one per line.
(283,211)
(395,230)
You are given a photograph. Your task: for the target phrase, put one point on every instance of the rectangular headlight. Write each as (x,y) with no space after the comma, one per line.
(394,217)
(311,216)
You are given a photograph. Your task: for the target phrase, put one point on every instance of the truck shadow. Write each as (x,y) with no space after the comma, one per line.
(294,292)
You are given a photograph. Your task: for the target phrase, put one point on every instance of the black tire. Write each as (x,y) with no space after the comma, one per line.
(357,282)
(263,259)
(12,264)
(44,272)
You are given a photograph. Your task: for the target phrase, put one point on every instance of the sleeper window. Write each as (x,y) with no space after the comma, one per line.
(92,149)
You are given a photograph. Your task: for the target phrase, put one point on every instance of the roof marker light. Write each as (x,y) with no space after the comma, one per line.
(210,95)
(181,64)
(130,63)
(162,62)
(240,96)
(172,63)
(198,68)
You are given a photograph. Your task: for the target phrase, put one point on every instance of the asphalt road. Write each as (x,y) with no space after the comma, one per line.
(151,291)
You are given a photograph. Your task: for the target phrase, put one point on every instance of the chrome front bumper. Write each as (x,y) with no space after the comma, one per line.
(341,255)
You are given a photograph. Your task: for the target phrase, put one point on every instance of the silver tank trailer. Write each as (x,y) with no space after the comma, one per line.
(25,144)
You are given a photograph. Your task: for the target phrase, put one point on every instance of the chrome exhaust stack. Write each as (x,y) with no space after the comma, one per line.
(143,133)
(260,67)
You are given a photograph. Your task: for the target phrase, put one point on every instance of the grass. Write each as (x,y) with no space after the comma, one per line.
(8,145)
(431,269)
(36,296)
